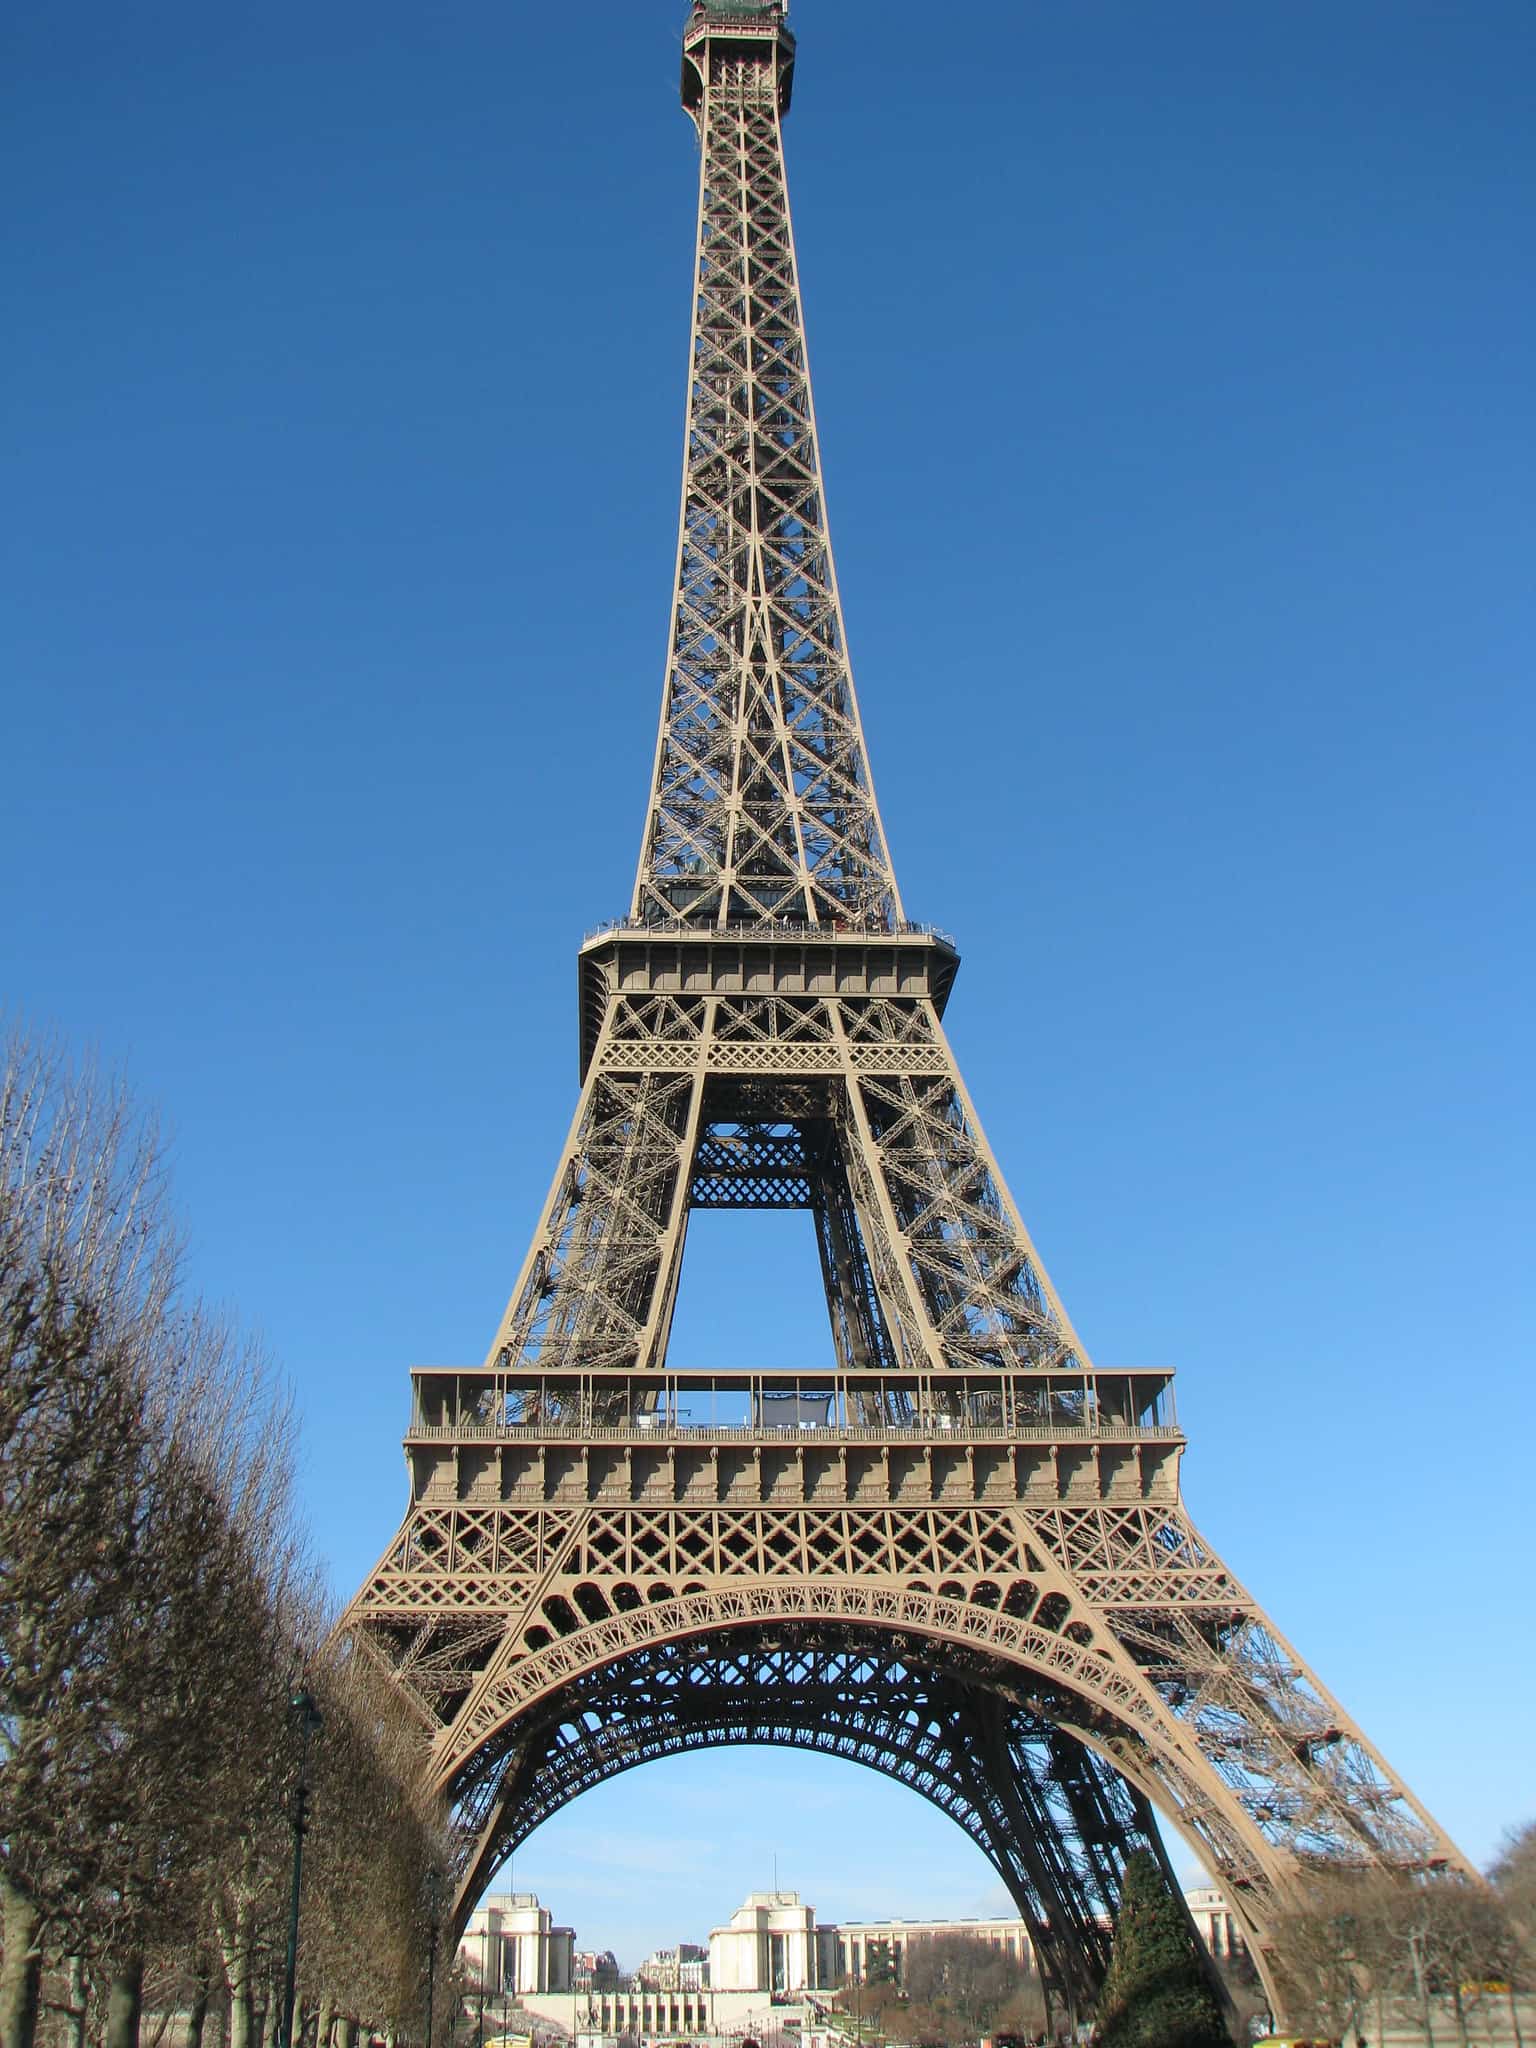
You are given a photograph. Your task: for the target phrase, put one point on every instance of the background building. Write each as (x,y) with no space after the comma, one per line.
(769,1954)
(852,1940)
(512,1947)
(1215,1924)
(772,1944)
(684,1968)
(594,1969)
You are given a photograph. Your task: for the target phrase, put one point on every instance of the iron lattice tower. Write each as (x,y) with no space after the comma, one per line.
(960,1556)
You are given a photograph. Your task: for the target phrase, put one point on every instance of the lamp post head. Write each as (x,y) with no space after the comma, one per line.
(305,1712)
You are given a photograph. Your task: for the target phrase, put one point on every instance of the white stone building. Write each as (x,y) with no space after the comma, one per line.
(769,1955)
(772,1944)
(853,1939)
(513,1948)
(1214,1923)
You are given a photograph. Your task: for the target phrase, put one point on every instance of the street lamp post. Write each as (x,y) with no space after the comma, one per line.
(307,1715)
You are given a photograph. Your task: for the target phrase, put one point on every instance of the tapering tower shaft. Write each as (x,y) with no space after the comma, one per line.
(762,807)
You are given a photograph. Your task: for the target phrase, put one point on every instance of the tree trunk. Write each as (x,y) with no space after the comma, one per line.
(346,2031)
(271,2019)
(197,2010)
(235,1944)
(1422,1987)
(323,2022)
(124,1997)
(20,1970)
(240,2014)
(74,2011)
(1461,2017)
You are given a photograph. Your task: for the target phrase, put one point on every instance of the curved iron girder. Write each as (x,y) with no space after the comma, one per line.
(1053,1818)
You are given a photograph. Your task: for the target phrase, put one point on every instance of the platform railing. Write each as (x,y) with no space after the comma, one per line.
(639,1431)
(764,928)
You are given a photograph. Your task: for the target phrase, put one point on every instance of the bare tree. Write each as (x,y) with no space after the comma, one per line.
(376,1842)
(247,1851)
(1340,1946)
(157,1608)
(963,1979)
(88,1261)
(1355,1941)
(1470,1943)
(1513,1874)
(147,1553)
(199,1634)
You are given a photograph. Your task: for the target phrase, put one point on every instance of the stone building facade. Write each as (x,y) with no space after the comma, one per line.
(771,1944)
(513,1948)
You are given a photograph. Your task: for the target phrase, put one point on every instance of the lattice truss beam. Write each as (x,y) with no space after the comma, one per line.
(1116,1624)
(853,1109)
(762,804)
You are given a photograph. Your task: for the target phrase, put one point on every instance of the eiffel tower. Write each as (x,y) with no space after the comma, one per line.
(956,1553)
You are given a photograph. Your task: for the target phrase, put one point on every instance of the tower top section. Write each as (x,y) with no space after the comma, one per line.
(754,31)
(762,809)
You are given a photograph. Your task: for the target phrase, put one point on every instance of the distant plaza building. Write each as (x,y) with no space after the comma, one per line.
(1213,1919)
(770,1953)
(684,1968)
(1215,1924)
(512,1948)
(772,1944)
(854,1939)
(594,1969)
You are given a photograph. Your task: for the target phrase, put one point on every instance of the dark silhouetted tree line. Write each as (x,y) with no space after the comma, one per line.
(157,1609)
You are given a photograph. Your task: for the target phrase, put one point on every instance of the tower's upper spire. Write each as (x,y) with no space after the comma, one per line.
(762,809)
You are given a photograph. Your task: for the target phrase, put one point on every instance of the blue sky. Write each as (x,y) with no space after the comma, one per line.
(1173,368)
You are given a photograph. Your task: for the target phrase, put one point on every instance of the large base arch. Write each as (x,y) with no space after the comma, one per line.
(1050,1814)
(993,1699)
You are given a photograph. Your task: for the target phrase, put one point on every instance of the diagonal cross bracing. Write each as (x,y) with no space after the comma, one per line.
(762,805)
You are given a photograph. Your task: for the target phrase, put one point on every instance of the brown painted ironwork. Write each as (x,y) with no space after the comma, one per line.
(959,1556)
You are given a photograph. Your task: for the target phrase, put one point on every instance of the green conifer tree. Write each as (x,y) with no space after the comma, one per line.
(1156,1994)
(879,1963)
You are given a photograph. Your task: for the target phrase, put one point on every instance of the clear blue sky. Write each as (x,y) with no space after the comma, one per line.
(1174,371)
